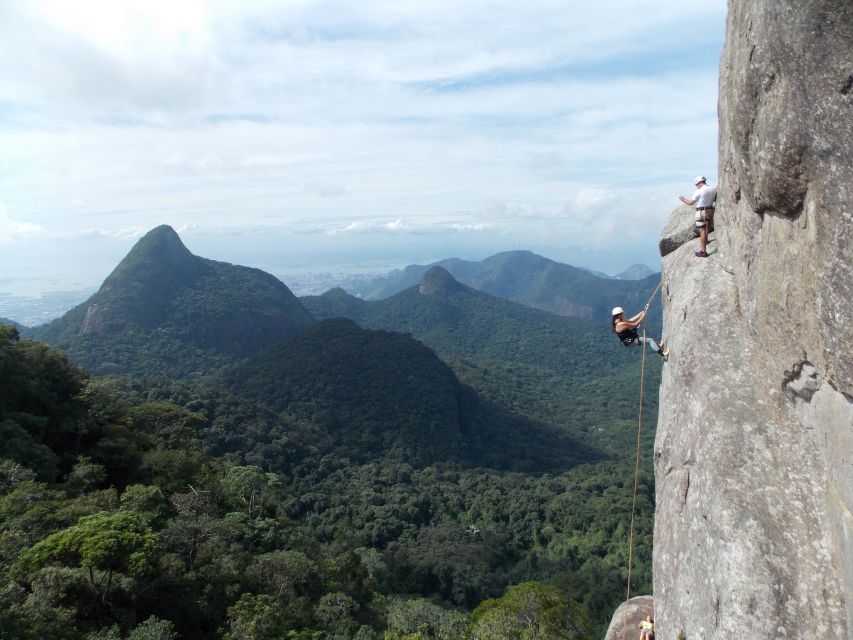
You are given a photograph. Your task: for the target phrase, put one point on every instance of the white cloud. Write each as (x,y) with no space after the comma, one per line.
(129,233)
(14,230)
(545,160)
(473,226)
(354,120)
(101,57)
(396,226)
(325,190)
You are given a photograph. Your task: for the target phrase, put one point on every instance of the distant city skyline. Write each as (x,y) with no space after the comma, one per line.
(328,135)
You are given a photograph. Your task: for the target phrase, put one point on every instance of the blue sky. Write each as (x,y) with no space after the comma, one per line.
(321,135)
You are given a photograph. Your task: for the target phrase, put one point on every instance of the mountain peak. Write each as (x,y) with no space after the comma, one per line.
(438,280)
(161,287)
(157,259)
(138,289)
(161,242)
(635,272)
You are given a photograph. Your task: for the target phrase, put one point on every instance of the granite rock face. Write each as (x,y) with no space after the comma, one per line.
(637,609)
(680,228)
(754,449)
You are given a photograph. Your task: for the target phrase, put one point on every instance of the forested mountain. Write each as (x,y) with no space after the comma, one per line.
(461,321)
(635,272)
(567,372)
(530,279)
(164,307)
(379,394)
(11,323)
(347,482)
(115,520)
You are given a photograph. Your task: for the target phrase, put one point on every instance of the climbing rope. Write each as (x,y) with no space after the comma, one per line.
(637,463)
(652,297)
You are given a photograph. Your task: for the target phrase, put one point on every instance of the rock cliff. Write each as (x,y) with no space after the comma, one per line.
(754,449)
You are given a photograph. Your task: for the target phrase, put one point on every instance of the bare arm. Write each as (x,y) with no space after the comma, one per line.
(639,317)
(686,201)
(633,323)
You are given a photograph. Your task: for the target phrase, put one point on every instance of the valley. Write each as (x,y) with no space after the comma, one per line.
(408,456)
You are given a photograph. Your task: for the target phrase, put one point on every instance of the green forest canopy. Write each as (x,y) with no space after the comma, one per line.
(134,506)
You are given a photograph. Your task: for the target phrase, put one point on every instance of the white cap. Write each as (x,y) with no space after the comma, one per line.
(617,311)
(699,179)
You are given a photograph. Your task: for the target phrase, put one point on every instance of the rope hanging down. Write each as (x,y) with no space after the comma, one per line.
(652,297)
(637,464)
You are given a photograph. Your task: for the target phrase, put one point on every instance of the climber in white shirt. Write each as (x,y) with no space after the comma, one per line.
(704,201)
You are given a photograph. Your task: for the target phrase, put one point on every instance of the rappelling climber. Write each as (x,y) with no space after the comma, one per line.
(626,331)
(704,201)
(647,629)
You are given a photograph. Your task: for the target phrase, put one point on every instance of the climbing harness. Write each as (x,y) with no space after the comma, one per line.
(637,463)
(628,337)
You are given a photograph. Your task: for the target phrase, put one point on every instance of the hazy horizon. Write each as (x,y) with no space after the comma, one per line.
(328,135)
(41,297)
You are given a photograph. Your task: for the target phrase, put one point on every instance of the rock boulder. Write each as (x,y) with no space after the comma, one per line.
(637,609)
(679,229)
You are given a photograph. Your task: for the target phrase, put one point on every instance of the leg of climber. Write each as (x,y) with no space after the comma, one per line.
(658,349)
(703,242)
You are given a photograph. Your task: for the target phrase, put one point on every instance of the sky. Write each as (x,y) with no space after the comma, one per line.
(353,135)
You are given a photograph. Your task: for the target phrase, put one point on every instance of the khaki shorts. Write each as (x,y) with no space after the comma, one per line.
(704,216)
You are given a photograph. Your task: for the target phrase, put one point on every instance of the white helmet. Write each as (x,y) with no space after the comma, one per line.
(699,179)
(617,311)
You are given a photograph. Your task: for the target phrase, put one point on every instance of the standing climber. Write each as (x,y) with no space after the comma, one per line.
(647,629)
(626,331)
(704,201)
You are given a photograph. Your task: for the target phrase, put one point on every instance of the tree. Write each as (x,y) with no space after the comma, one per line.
(152,629)
(103,543)
(257,617)
(85,476)
(529,611)
(149,502)
(254,487)
(40,405)
(420,619)
(335,613)
(285,575)
(23,617)
(12,474)
(167,421)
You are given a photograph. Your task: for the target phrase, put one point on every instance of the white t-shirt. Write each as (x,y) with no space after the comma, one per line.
(705,197)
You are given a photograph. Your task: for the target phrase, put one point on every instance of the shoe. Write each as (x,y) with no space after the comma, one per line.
(701,254)
(664,351)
